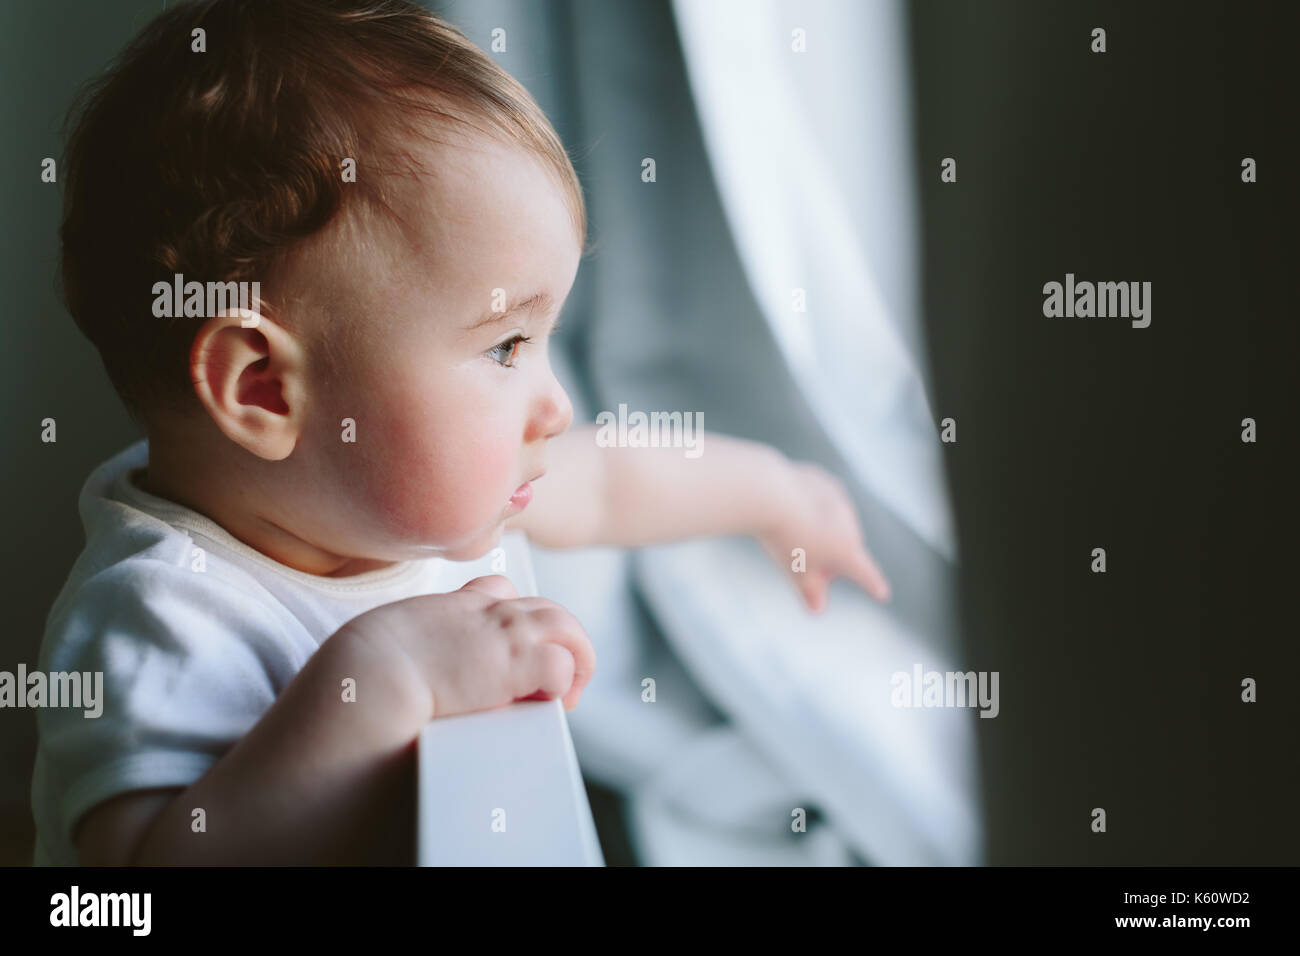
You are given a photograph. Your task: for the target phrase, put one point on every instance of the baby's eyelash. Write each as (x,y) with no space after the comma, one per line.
(510,343)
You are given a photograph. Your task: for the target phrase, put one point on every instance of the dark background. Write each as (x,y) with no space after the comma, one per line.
(1121,690)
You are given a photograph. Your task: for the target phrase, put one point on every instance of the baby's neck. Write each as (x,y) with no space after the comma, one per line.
(168,476)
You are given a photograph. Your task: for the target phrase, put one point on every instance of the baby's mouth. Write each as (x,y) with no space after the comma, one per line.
(523,494)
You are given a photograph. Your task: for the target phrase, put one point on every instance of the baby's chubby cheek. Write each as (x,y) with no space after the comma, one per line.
(437,447)
(441,487)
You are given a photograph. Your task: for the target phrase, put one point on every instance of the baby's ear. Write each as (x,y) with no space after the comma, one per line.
(249,374)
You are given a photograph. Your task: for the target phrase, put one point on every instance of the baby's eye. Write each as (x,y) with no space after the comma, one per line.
(504,353)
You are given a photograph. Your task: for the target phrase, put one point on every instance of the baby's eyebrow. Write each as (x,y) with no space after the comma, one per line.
(537,302)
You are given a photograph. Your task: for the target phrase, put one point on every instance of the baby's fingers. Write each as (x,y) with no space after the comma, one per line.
(494,585)
(564,655)
(864,572)
(549,669)
(813,585)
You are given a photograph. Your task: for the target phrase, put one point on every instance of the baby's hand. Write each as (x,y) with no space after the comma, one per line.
(483,646)
(817,517)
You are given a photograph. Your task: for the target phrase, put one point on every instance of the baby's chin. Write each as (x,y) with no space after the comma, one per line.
(475,548)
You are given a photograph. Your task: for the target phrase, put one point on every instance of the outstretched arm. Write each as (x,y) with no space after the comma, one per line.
(629,497)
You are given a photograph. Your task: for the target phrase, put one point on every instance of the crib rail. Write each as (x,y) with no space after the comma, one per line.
(503,788)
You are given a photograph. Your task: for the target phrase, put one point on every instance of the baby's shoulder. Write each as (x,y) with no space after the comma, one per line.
(169,597)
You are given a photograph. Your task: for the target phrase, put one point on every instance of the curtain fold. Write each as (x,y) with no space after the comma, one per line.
(801,228)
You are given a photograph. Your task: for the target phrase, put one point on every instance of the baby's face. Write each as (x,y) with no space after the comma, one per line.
(452,409)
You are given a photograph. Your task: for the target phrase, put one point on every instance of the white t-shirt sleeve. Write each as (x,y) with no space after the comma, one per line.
(190,662)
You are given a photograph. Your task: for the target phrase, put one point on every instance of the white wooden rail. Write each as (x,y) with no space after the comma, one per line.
(503,788)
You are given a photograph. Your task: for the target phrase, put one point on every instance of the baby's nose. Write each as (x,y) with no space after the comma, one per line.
(563,411)
(553,414)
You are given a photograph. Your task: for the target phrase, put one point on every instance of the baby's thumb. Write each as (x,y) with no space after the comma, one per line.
(493,585)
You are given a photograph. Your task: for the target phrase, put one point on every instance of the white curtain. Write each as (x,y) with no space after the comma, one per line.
(811,153)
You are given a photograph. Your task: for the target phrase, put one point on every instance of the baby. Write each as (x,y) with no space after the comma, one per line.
(294,573)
